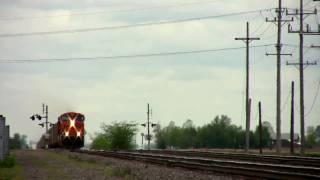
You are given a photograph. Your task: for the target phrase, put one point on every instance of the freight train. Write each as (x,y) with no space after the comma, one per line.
(68,132)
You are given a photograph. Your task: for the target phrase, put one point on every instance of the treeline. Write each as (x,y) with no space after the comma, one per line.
(219,133)
(18,141)
(313,137)
(115,136)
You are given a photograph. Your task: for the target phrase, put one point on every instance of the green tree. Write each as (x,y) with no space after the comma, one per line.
(219,133)
(160,140)
(256,137)
(311,137)
(18,141)
(188,135)
(120,135)
(100,141)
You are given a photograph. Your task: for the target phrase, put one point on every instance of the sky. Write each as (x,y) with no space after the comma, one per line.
(196,86)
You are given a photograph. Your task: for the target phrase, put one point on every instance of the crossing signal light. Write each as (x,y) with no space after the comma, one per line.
(39,117)
(32,118)
(144,125)
(152,125)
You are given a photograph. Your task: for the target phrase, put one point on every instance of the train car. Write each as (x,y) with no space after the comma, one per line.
(68,132)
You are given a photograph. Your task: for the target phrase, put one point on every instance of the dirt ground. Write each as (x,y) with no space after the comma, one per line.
(60,164)
(39,164)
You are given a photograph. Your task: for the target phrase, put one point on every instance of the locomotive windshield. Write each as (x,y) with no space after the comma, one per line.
(64,118)
(80,118)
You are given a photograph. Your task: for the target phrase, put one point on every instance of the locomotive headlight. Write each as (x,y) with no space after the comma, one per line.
(78,133)
(72,123)
(67,133)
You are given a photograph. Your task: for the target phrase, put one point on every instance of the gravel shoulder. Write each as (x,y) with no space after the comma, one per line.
(62,164)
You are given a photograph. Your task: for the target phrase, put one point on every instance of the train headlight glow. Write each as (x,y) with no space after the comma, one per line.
(78,133)
(72,123)
(67,134)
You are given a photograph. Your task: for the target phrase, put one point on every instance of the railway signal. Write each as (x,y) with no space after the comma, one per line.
(33,117)
(39,117)
(147,124)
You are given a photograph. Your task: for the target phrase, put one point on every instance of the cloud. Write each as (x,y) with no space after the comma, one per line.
(196,86)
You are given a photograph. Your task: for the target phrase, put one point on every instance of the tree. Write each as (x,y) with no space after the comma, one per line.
(120,135)
(265,137)
(311,137)
(160,138)
(188,135)
(100,141)
(318,135)
(18,141)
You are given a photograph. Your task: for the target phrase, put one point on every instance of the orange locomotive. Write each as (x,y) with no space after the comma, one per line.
(68,132)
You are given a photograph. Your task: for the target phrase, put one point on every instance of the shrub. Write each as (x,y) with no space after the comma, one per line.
(8,162)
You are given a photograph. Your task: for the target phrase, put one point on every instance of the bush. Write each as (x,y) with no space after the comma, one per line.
(8,162)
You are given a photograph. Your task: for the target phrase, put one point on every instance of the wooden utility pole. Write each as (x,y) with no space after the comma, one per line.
(142,136)
(148,124)
(247,40)
(301,64)
(278,21)
(292,119)
(260,128)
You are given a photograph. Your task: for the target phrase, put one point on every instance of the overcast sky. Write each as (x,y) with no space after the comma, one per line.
(178,87)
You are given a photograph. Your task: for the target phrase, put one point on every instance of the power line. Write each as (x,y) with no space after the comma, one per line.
(314,100)
(122,56)
(285,103)
(66,31)
(109,11)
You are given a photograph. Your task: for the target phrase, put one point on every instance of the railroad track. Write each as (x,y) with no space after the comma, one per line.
(274,159)
(250,169)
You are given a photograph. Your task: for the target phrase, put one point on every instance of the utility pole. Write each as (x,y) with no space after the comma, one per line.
(46,117)
(247,40)
(260,128)
(278,22)
(148,123)
(142,135)
(301,64)
(292,119)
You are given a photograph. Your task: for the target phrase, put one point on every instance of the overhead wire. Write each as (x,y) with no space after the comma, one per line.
(42,60)
(108,11)
(285,103)
(314,100)
(66,31)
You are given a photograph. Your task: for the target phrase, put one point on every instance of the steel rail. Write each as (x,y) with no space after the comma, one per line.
(250,169)
(288,160)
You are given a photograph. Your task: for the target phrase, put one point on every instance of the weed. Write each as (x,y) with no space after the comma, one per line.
(8,162)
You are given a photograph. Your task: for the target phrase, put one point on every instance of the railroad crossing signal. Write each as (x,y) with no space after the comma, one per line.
(33,117)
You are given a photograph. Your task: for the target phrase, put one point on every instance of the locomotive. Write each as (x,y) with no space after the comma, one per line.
(68,132)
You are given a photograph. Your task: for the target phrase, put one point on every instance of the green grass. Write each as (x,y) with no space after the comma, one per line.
(8,162)
(9,170)
(108,170)
(313,155)
(51,162)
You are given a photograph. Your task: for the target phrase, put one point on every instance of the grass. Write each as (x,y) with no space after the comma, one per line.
(88,163)
(8,162)
(9,170)
(317,155)
(59,165)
